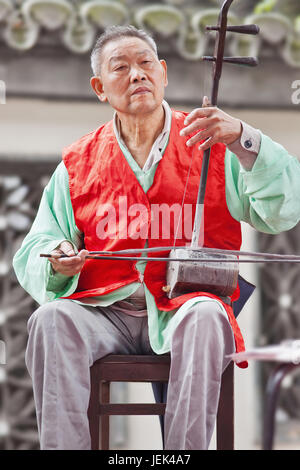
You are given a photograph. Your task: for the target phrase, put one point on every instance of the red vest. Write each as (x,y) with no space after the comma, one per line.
(103,187)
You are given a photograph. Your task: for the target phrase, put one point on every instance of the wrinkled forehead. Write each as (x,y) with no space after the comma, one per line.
(125,47)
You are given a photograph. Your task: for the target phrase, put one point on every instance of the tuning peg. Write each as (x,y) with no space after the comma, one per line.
(248,61)
(242,29)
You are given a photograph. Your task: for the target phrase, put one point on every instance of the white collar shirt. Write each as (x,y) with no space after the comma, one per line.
(155,154)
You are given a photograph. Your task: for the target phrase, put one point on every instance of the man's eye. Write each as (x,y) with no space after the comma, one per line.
(120,68)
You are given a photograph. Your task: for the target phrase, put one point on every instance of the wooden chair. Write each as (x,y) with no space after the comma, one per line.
(146,368)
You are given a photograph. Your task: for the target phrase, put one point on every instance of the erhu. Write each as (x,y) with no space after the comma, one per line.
(218,278)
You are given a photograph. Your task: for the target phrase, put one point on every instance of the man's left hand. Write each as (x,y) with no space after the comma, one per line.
(214,126)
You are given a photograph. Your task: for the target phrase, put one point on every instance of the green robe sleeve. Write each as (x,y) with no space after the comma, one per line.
(53,224)
(268,196)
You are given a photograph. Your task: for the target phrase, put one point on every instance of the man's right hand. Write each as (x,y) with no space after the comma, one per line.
(67,266)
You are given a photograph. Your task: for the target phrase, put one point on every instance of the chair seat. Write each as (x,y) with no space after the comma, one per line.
(134,359)
(133,368)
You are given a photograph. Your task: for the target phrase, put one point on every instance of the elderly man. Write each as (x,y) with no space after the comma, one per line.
(90,308)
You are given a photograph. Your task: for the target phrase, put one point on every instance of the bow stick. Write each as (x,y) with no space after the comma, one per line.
(255,257)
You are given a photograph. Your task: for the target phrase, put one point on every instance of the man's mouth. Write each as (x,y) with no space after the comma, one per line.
(141,90)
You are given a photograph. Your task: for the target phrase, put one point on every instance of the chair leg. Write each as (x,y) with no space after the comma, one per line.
(104,419)
(225,416)
(93,410)
(160,391)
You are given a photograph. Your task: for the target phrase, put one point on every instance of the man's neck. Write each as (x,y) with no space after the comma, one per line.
(140,131)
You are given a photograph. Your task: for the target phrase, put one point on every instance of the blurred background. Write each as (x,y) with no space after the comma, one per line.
(46,103)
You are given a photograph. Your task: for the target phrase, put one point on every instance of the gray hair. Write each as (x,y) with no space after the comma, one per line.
(111,34)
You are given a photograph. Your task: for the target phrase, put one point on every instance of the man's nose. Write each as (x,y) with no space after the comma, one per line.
(137,74)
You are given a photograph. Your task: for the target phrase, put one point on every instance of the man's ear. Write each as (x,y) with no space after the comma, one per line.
(97,86)
(165,68)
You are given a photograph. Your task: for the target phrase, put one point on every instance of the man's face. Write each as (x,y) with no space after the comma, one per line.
(132,78)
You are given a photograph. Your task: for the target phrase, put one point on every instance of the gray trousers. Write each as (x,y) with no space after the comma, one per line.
(65,338)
